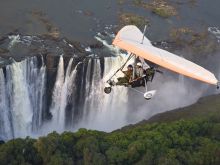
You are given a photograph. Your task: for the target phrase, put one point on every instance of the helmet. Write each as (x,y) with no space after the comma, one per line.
(139,64)
(130,66)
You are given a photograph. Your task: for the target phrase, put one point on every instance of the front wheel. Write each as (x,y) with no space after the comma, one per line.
(148,95)
(107,90)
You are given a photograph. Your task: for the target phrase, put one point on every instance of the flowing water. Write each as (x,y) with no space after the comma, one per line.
(22,94)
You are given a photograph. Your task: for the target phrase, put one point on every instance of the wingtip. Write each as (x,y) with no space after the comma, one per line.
(218,84)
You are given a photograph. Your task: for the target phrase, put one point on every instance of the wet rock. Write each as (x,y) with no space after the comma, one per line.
(49,48)
(104,34)
(50,61)
(50,36)
(167,45)
(2,39)
(3,51)
(78,47)
(97,45)
(54,33)
(13,32)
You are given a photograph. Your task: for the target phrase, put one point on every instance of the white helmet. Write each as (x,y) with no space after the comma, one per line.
(139,64)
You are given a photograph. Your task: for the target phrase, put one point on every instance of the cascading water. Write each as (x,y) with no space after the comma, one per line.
(77,99)
(20,102)
(22,98)
(36,79)
(93,88)
(5,124)
(62,91)
(57,94)
(100,108)
(96,106)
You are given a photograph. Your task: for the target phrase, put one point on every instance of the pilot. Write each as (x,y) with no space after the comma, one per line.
(127,76)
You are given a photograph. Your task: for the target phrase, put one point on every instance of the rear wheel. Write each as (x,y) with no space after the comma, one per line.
(107,90)
(148,96)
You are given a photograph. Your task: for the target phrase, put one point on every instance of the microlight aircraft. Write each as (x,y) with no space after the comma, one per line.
(132,40)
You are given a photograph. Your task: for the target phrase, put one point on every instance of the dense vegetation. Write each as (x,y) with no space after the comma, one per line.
(194,141)
(190,135)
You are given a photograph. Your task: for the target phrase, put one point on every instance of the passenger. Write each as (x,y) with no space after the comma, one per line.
(127,76)
(139,76)
(139,72)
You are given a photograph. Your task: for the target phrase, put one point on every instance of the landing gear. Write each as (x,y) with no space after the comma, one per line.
(148,95)
(107,90)
(141,82)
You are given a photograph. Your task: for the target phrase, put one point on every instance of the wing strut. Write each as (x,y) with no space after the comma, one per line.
(121,68)
(145,27)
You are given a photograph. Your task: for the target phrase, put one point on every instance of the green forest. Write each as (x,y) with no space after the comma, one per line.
(193,141)
(185,136)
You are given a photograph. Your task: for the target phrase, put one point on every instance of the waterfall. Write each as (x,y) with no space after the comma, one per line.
(93,89)
(36,79)
(102,111)
(21,97)
(56,98)
(66,91)
(20,102)
(77,99)
(5,125)
(99,110)
(62,91)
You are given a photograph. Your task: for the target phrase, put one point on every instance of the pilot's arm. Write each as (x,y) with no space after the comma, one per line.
(124,71)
